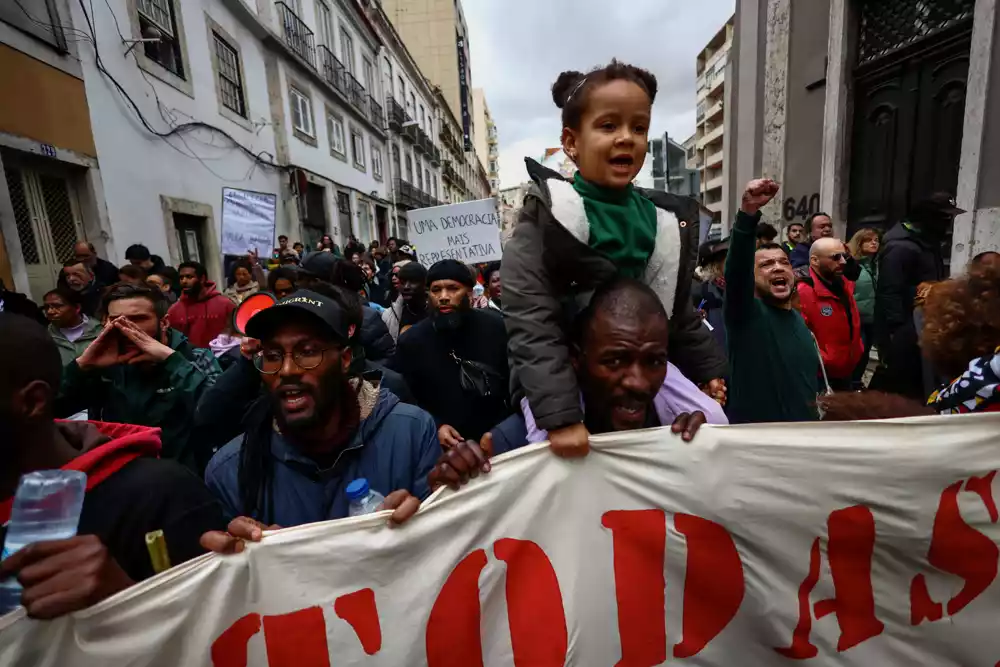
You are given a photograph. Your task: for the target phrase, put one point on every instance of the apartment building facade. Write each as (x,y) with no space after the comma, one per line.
(436,33)
(710,115)
(487,140)
(123,121)
(51,191)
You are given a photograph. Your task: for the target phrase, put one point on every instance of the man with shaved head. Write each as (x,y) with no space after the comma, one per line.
(830,312)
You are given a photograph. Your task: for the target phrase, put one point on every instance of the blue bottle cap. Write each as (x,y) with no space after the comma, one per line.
(357,489)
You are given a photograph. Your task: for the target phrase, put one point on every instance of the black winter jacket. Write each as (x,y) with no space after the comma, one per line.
(375,338)
(907,258)
(550,273)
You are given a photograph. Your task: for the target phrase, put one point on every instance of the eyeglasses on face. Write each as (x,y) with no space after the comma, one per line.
(306,356)
(838,256)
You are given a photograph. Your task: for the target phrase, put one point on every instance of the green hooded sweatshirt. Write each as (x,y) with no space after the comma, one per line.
(165,395)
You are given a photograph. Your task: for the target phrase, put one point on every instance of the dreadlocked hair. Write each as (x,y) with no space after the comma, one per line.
(572,89)
(256,465)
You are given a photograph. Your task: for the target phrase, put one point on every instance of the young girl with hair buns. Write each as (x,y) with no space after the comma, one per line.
(574,235)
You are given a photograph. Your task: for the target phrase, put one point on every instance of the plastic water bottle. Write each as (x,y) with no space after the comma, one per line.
(47,506)
(364,500)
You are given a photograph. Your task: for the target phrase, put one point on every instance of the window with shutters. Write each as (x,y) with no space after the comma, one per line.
(358,149)
(229,76)
(335,130)
(302,115)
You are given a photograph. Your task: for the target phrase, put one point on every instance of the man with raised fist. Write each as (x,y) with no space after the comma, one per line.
(772,355)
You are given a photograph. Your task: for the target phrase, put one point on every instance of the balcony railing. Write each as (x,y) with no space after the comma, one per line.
(411,196)
(297,35)
(358,95)
(434,154)
(419,142)
(448,172)
(397,114)
(377,113)
(333,70)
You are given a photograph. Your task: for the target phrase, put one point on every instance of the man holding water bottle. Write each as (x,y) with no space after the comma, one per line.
(81,556)
(316,430)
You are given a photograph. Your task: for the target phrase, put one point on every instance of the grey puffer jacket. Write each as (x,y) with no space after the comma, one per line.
(550,273)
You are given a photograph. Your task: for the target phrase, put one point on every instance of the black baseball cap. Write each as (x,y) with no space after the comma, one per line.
(940,203)
(323,309)
(319,264)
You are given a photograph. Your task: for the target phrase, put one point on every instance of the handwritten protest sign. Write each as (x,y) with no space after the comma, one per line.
(855,544)
(247,221)
(468,232)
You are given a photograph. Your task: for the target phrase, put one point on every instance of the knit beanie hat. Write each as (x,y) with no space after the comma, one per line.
(450,269)
(412,271)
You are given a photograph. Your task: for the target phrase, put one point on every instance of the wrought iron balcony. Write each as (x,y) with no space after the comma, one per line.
(298,36)
(377,113)
(333,70)
(435,155)
(419,142)
(397,115)
(357,94)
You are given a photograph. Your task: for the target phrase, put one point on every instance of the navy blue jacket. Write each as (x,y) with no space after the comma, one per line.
(395,448)
(799,256)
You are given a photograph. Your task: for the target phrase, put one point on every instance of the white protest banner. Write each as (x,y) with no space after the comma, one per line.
(247,221)
(859,544)
(468,232)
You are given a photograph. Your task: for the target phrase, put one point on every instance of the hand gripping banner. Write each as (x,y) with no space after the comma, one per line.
(852,544)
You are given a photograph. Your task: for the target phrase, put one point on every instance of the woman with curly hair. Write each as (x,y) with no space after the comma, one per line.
(961,337)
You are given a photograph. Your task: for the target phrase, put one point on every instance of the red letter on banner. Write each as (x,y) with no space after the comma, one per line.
(297,639)
(534,605)
(453,635)
(958,549)
(713,585)
(230,649)
(359,610)
(850,547)
(639,542)
(534,610)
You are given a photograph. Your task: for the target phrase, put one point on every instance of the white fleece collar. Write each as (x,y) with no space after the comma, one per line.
(664,263)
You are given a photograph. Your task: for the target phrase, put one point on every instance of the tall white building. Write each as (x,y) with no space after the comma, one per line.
(709,134)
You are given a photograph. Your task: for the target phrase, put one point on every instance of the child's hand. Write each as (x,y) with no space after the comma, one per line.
(570,442)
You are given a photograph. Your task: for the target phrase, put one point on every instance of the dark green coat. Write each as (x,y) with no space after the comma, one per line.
(164,396)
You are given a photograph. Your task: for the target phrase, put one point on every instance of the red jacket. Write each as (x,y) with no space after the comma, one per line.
(201,318)
(837,330)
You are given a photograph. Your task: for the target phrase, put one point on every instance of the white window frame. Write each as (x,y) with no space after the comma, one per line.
(358,148)
(300,104)
(368,75)
(337,131)
(377,163)
(347,49)
(325,24)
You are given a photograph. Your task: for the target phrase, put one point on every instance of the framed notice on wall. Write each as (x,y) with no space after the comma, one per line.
(248,221)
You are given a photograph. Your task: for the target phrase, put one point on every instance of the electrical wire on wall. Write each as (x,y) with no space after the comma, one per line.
(177,130)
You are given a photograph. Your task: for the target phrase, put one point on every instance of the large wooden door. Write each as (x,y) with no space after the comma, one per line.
(909,107)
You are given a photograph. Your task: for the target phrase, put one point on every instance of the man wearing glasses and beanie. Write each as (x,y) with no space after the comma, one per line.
(316,429)
(830,312)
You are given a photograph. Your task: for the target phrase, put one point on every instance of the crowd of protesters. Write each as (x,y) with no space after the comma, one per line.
(211,421)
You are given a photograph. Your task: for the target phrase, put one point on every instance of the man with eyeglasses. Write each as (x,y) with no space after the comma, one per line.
(316,428)
(830,312)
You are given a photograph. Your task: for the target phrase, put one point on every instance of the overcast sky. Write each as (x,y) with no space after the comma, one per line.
(519,47)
